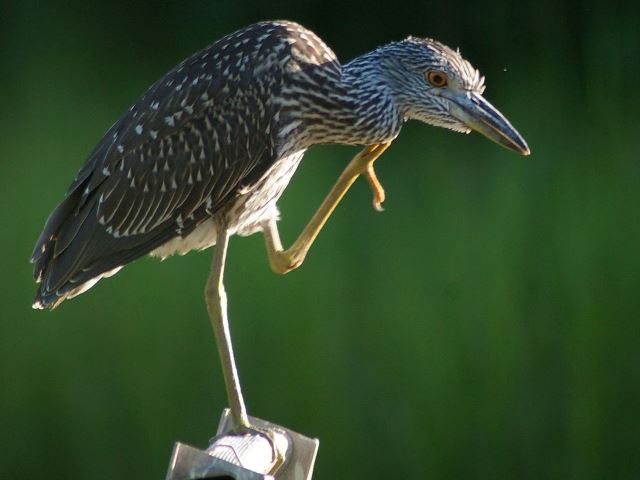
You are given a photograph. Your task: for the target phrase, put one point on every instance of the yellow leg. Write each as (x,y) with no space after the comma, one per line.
(216,300)
(283,261)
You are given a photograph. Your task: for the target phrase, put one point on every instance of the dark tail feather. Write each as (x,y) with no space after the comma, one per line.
(93,255)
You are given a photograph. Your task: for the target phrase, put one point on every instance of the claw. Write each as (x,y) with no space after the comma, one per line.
(278,441)
(376,187)
(246,447)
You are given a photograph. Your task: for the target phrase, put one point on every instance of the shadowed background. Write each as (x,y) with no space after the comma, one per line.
(484,326)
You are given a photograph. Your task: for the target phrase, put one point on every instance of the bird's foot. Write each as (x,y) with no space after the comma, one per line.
(364,162)
(279,444)
(376,187)
(263,450)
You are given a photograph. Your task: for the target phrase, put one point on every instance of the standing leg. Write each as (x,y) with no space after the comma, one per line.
(216,300)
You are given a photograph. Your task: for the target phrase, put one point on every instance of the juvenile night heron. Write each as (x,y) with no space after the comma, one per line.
(207,151)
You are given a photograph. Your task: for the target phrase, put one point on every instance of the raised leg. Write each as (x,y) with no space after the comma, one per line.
(216,300)
(283,261)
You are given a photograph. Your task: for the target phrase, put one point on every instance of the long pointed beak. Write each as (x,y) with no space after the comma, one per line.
(475,112)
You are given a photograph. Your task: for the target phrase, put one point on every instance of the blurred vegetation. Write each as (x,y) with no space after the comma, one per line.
(484,326)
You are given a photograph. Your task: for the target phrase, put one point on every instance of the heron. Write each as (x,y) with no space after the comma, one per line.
(207,151)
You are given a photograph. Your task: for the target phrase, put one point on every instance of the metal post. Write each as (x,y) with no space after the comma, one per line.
(247,456)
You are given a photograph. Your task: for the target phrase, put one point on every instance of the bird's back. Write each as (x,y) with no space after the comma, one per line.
(205,132)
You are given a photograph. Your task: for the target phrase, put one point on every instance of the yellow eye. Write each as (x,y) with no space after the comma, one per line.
(437,79)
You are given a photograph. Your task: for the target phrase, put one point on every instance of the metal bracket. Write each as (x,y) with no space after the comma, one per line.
(247,456)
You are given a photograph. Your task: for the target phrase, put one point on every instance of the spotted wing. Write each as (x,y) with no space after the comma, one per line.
(177,156)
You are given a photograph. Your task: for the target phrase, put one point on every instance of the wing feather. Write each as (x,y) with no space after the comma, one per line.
(181,153)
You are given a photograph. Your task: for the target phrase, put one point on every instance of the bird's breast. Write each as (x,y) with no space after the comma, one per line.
(256,203)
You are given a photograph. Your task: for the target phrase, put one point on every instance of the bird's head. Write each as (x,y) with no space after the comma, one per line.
(434,84)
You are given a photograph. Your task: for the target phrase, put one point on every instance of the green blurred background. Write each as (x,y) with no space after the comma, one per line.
(484,326)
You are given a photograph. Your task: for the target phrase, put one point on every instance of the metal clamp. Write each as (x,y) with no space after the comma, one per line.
(248,456)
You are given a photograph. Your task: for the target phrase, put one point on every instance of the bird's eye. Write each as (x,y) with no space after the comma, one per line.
(437,79)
